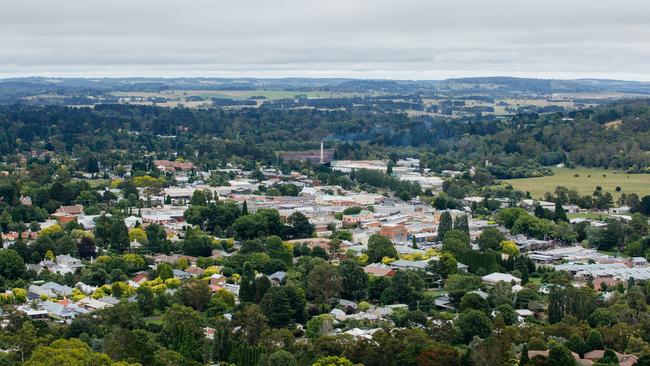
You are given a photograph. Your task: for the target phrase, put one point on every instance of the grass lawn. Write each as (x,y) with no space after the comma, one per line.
(585,182)
(592,216)
(434,293)
(535,280)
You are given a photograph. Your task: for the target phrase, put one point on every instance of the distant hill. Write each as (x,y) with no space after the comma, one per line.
(13,89)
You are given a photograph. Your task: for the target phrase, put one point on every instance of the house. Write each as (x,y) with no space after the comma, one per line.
(364,215)
(33,313)
(66,214)
(496,277)
(26,201)
(545,353)
(362,333)
(86,289)
(195,271)
(61,290)
(444,302)
(140,277)
(70,210)
(132,221)
(541,258)
(347,304)
(171,259)
(524,313)
(63,310)
(638,262)
(379,270)
(619,210)
(91,304)
(182,275)
(135,245)
(35,292)
(406,264)
(110,300)
(338,314)
(172,166)
(217,279)
(623,359)
(277,277)
(63,264)
(69,261)
(396,232)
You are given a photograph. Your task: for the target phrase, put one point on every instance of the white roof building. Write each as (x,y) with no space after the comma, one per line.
(496,277)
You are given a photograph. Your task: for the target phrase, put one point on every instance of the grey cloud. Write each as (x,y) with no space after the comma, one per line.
(357,38)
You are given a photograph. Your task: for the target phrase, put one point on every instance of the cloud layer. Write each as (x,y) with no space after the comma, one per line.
(356,38)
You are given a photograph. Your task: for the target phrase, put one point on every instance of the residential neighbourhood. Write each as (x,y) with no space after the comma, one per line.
(460,256)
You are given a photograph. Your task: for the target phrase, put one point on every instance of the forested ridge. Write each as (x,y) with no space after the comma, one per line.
(611,136)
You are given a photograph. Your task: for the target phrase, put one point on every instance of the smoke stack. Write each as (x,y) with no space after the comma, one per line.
(322,153)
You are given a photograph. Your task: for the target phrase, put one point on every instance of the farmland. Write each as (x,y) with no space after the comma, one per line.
(585,181)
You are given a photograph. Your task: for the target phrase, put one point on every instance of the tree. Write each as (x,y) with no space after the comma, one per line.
(474,323)
(182,331)
(354,280)
(300,226)
(139,235)
(86,247)
(119,236)
(594,341)
(446,224)
(333,361)
(560,355)
(195,294)
(165,271)
(145,298)
(276,307)
(12,265)
(490,238)
(559,214)
(26,340)
(539,212)
(251,322)
(602,317)
(197,245)
(456,242)
(644,206)
(639,224)
(509,247)
(557,304)
(244,209)
(262,285)
(444,266)
(462,224)
(282,358)
(324,283)
(222,343)
(380,247)
(576,344)
(297,302)
(439,355)
(523,360)
(609,358)
(198,198)
(71,352)
(492,351)
(247,284)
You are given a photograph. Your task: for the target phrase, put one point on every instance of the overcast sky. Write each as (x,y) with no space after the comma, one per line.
(405,39)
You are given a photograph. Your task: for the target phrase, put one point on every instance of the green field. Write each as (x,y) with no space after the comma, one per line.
(585,182)
(236,94)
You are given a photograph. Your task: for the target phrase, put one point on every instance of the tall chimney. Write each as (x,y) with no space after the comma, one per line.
(322,153)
